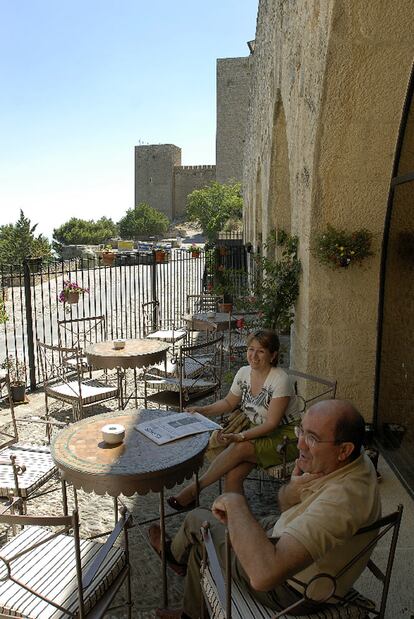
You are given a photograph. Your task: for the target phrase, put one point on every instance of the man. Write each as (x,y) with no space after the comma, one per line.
(333,492)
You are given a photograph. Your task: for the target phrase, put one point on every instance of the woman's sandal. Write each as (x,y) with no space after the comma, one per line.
(175,504)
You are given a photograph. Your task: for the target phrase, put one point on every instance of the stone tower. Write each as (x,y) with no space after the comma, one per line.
(154,176)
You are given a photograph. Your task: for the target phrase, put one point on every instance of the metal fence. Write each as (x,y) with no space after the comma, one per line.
(31,296)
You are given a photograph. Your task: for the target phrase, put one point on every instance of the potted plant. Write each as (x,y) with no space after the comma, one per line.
(108,255)
(160,254)
(71,292)
(17,374)
(194,250)
(337,248)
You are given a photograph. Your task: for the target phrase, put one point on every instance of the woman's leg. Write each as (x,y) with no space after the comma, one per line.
(227,460)
(233,480)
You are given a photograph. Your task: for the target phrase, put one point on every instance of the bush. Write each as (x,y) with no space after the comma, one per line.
(213,206)
(143,220)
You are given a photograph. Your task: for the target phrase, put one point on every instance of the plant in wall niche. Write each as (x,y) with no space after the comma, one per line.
(71,291)
(338,248)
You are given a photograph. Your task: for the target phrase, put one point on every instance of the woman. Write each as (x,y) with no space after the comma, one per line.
(265,394)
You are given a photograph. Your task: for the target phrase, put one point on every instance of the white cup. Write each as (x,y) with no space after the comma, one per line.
(119,344)
(113,433)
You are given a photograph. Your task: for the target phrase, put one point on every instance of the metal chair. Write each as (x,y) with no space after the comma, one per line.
(155,329)
(66,384)
(24,467)
(225,599)
(53,574)
(79,333)
(198,375)
(314,389)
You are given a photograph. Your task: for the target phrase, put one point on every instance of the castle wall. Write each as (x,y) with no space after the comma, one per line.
(233,84)
(328,85)
(154,176)
(187,179)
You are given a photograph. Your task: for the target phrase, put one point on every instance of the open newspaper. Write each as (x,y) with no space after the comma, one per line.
(172,427)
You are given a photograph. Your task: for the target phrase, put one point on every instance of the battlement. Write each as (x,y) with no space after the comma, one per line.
(196,167)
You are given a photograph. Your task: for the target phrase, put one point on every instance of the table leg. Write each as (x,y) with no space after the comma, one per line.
(116,509)
(120,388)
(163,557)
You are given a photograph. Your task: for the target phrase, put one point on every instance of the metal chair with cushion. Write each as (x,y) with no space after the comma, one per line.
(225,599)
(66,383)
(198,375)
(24,467)
(79,333)
(49,574)
(155,329)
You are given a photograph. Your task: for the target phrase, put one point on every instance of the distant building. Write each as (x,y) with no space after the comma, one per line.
(161,180)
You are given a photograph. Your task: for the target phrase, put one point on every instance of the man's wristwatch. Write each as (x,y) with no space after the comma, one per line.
(242,436)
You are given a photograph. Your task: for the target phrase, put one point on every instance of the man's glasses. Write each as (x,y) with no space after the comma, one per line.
(309,439)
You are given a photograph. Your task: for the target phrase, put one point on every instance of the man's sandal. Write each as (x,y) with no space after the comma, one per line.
(154,536)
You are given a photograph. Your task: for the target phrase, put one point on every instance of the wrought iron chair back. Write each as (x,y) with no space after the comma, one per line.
(224,597)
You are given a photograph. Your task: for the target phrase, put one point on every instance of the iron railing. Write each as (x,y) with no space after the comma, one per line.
(31,296)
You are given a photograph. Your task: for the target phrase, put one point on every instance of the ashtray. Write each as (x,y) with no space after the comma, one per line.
(113,433)
(118,344)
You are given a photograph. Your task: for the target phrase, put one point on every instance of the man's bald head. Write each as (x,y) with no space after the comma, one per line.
(347,423)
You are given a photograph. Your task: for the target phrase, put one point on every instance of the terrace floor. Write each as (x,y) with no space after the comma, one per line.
(96,514)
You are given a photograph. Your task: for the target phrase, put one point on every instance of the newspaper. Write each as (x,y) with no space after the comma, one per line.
(172,427)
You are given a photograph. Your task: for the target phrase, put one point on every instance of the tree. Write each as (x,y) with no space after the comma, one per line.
(84,232)
(18,242)
(213,206)
(143,220)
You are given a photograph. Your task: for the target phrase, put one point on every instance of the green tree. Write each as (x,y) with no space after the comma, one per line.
(142,220)
(84,232)
(18,242)
(213,206)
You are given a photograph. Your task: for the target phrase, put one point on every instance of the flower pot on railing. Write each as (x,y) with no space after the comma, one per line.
(160,255)
(226,308)
(72,297)
(108,258)
(18,392)
(195,254)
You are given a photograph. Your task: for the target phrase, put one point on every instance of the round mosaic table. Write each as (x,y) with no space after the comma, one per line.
(202,321)
(137,465)
(135,354)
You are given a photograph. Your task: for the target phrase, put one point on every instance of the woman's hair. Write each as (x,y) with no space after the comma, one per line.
(268,339)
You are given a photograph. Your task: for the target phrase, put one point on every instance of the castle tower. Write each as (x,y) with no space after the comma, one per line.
(154,176)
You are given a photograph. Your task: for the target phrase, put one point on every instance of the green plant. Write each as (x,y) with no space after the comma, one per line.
(275,286)
(19,243)
(16,369)
(69,287)
(194,249)
(3,314)
(338,248)
(142,220)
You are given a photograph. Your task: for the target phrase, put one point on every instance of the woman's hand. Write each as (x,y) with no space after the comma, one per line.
(232,437)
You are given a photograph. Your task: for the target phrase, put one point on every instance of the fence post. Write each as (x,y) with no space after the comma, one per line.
(154,278)
(29,324)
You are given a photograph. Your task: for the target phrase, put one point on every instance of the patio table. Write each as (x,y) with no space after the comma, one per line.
(137,353)
(137,465)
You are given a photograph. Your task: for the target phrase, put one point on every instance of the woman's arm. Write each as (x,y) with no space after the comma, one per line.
(226,405)
(276,410)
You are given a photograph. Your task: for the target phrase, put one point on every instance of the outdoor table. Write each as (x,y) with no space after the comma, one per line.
(202,321)
(138,353)
(137,465)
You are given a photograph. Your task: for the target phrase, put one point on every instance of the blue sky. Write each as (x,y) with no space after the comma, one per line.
(84,81)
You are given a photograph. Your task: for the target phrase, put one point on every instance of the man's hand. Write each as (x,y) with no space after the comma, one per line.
(290,494)
(222,504)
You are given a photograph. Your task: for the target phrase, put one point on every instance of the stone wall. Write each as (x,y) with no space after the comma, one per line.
(187,179)
(154,176)
(233,82)
(328,84)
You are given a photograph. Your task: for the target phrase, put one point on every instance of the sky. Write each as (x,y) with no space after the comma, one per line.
(84,81)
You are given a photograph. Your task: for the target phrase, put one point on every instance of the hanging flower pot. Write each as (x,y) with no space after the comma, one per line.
(226,308)
(108,258)
(72,297)
(195,254)
(339,248)
(194,250)
(18,392)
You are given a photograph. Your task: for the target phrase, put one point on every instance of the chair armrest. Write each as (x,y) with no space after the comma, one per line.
(122,523)
(215,567)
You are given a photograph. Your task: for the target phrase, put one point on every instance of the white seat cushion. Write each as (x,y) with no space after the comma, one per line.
(69,392)
(169,335)
(50,570)
(39,468)
(244,606)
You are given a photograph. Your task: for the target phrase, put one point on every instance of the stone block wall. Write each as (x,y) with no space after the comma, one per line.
(233,86)
(187,179)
